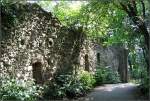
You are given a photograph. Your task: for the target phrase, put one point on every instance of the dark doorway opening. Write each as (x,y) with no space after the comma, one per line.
(37,72)
(98,58)
(86,62)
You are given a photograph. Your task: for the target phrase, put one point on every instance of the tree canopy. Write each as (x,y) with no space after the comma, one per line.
(111,21)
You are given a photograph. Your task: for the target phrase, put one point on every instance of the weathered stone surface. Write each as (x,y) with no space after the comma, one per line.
(38,41)
(100,57)
(30,41)
(39,46)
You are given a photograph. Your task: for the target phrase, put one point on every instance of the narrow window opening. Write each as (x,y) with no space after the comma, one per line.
(37,72)
(87,62)
(98,58)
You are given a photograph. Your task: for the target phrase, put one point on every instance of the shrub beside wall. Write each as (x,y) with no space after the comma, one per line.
(106,75)
(70,86)
(19,90)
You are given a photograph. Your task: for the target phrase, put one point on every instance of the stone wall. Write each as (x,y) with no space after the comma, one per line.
(29,43)
(114,56)
(37,45)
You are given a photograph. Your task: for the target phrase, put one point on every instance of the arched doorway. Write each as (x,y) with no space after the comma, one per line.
(37,72)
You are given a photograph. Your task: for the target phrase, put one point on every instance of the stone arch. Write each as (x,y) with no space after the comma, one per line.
(37,72)
(86,58)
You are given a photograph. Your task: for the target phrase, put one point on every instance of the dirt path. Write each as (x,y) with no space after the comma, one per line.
(114,92)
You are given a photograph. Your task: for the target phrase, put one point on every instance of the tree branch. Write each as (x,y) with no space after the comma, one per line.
(124,7)
(134,5)
(143,8)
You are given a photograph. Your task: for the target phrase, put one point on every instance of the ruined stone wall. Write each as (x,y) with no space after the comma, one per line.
(30,42)
(100,56)
(88,57)
(38,46)
(114,56)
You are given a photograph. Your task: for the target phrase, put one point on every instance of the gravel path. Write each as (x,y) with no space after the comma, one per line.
(114,92)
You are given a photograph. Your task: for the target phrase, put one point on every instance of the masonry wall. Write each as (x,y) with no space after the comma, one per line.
(114,56)
(29,43)
(37,46)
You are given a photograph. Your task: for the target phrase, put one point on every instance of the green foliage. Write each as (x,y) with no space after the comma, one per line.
(76,89)
(6,2)
(87,79)
(100,76)
(106,75)
(63,86)
(66,11)
(19,90)
(112,76)
(101,19)
(136,73)
(137,68)
(70,86)
(53,91)
(11,16)
(145,84)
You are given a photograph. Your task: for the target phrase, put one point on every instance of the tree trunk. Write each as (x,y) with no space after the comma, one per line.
(131,10)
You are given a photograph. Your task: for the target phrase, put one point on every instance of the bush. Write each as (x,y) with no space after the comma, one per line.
(87,79)
(145,84)
(18,90)
(53,91)
(112,76)
(75,90)
(136,73)
(106,75)
(63,86)
(57,87)
(100,76)
(70,86)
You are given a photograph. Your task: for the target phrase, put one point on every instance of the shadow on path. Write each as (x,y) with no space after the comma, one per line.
(114,92)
